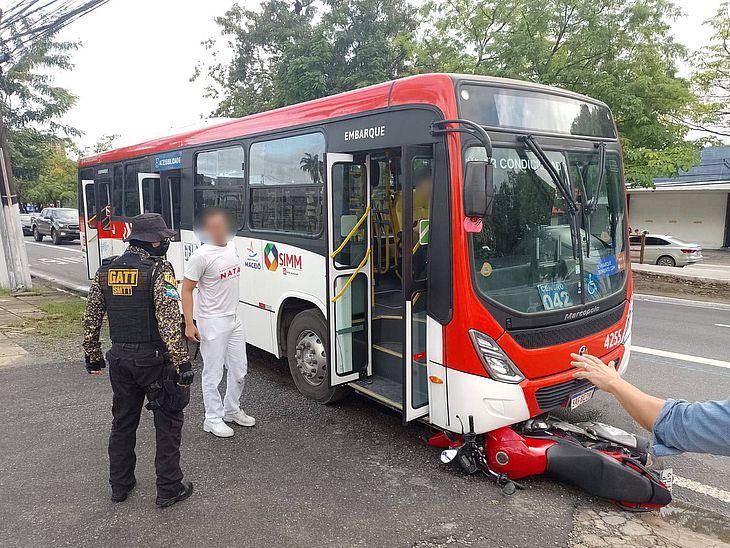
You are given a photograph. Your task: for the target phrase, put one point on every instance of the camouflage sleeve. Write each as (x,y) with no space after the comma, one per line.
(167,310)
(93,318)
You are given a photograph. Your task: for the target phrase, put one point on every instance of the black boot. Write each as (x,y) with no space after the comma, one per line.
(187,490)
(120,494)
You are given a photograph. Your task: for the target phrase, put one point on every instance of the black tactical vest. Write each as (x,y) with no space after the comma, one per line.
(128,283)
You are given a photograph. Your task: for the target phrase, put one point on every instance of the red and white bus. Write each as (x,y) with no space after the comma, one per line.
(440,243)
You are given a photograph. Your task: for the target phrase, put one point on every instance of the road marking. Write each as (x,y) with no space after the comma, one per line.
(678,356)
(680,302)
(61,260)
(698,487)
(54,248)
(721,325)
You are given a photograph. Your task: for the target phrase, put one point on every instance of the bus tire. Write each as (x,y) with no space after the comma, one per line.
(307,347)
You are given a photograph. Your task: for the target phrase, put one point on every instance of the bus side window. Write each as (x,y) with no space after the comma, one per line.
(118,192)
(131,191)
(173,192)
(286,181)
(219,182)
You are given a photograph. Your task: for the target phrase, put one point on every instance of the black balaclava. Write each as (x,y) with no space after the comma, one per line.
(158,251)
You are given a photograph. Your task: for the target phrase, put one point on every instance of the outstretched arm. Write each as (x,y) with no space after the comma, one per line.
(641,406)
(677,425)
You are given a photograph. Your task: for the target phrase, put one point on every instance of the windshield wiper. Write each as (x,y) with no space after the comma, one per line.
(561,181)
(601,177)
(558,178)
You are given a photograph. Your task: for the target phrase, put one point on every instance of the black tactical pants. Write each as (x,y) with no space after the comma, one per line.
(133,368)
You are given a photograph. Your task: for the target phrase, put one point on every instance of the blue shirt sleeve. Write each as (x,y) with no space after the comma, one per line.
(702,427)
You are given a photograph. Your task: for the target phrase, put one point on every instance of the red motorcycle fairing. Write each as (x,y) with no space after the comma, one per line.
(510,453)
(612,475)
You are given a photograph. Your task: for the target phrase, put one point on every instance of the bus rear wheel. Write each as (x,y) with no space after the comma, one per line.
(306,348)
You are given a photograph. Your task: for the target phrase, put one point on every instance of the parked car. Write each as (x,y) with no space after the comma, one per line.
(26,222)
(60,223)
(665,250)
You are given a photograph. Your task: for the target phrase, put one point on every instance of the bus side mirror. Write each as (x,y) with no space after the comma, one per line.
(478,189)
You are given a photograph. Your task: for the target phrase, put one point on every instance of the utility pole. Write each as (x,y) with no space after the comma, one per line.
(14,269)
(24,23)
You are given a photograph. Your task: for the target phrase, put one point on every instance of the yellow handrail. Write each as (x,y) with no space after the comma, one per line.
(352,233)
(352,277)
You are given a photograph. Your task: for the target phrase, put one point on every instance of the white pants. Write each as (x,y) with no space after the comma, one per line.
(222,343)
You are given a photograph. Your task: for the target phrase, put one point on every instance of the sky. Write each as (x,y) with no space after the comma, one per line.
(132,75)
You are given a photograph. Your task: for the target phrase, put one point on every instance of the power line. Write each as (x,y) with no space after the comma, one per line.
(28,22)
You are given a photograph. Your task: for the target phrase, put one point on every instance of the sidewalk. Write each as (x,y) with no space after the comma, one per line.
(701,271)
(705,281)
(16,310)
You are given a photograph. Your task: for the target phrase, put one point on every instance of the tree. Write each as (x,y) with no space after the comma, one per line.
(26,26)
(32,106)
(712,77)
(105,143)
(281,57)
(56,183)
(312,165)
(620,52)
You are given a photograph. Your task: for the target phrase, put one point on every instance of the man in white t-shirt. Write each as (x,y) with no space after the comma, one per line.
(215,269)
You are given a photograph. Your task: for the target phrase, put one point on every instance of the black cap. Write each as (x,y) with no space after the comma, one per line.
(149,227)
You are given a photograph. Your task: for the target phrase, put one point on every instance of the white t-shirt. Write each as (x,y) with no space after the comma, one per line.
(217,270)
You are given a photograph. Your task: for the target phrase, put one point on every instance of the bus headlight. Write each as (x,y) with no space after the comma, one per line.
(494,360)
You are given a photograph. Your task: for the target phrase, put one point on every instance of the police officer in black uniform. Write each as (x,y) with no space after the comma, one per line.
(138,293)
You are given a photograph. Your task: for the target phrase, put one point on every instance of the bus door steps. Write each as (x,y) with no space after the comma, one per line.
(388,360)
(383,389)
(388,328)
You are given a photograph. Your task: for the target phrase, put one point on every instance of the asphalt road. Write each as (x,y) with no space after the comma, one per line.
(353,464)
(65,262)
(688,331)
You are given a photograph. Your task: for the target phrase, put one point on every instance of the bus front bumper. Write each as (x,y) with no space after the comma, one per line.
(494,404)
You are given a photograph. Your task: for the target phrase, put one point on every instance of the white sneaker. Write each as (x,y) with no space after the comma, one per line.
(220,429)
(240,418)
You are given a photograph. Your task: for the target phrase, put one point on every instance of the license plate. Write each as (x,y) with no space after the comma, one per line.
(667,478)
(554,295)
(581,397)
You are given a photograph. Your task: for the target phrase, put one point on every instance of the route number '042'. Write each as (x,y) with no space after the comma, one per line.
(613,339)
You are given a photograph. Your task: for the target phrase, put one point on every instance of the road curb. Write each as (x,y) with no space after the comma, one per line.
(655,283)
(70,286)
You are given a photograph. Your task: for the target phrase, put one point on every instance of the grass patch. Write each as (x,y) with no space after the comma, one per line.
(63,319)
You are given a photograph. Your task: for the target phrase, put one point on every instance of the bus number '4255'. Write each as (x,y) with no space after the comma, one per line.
(612,339)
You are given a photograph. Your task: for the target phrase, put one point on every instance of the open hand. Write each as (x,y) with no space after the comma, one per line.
(602,375)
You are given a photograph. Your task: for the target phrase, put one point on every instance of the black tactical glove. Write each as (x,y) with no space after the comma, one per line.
(95,366)
(185,374)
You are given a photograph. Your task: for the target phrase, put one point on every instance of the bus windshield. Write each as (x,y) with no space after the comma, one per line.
(526,256)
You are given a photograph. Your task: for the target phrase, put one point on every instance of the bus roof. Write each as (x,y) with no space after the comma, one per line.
(431,89)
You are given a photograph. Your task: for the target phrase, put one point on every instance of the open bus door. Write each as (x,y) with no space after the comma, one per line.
(348,269)
(417,192)
(91,236)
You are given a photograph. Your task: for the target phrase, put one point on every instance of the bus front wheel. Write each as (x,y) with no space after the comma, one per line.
(307,348)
